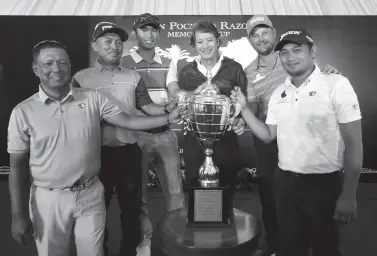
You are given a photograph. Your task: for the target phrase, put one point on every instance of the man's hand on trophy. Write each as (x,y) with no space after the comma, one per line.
(171,105)
(184,112)
(238,126)
(175,115)
(238,97)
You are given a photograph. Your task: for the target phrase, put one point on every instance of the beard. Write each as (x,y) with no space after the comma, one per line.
(264,50)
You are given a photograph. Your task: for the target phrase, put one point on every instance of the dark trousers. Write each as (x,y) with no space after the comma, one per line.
(266,163)
(226,156)
(121,172)
(305,208)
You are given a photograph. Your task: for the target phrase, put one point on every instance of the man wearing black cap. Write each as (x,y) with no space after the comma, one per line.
(264,75)
(121,156)
(317,122)
(160,145)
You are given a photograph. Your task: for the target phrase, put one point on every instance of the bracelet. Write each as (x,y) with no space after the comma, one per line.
(167,119)
(166,110)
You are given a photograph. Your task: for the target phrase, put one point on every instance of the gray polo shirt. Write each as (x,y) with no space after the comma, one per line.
(124,87)
(63,138)
(262,82)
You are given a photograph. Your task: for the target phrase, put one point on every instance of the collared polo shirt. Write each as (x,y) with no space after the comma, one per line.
(153,73)
(125,88)
(262,82)
(307,120)
(63,138)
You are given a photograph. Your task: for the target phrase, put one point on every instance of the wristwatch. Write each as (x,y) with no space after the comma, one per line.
(166,109)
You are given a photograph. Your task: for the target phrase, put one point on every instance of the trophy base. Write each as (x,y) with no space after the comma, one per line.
(209,207)
(209,183)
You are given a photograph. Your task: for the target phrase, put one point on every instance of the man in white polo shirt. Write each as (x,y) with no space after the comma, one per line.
(55,136)
(317,122)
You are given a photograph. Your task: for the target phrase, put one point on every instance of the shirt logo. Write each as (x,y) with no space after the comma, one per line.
(355,106)
(81,105)
(283,101)
(257,78)
(283,95)
(312,93)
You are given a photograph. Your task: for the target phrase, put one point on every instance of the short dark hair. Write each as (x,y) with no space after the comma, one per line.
(205,26)
(258,26)
(44,45)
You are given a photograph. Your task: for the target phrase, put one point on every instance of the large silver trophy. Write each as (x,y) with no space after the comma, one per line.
(209,116)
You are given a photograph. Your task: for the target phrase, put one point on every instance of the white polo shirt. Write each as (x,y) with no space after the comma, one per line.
(307,120)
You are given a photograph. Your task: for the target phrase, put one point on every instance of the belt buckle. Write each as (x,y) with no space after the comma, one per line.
(77,188)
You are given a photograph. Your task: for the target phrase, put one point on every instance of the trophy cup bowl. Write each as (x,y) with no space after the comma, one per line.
(209,116)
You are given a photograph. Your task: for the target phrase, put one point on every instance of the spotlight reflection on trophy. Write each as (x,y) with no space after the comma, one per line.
(209,116)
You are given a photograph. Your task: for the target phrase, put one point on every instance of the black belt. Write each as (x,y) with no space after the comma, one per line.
(158,129)
(307,176)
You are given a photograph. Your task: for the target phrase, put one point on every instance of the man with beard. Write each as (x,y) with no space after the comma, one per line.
(317,122)
(54,142)
(264,75)
(121,156)
(159,145)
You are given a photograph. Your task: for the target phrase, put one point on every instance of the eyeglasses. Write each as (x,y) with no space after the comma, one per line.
(48,42)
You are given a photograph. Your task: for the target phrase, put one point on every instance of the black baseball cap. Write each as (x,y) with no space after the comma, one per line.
(297,36)
(107,27)
(146,19)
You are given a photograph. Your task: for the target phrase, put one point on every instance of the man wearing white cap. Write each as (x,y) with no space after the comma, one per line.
(317,122)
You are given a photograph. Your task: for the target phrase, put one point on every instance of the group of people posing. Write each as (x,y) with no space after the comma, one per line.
(80,139)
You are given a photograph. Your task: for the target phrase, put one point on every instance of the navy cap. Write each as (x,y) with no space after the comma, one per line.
(296,36)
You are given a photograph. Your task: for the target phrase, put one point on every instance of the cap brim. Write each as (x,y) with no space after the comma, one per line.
(143,24)
(288,41)
(122,33)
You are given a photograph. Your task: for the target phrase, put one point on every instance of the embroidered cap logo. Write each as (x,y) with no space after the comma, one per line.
(106,27)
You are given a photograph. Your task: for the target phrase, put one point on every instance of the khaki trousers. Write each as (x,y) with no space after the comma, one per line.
(58,214)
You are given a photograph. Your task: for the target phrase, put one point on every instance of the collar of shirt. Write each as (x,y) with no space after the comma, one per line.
(215,68)
(257,64)
(137,58)
(44,97)
(102,68)
(315,74)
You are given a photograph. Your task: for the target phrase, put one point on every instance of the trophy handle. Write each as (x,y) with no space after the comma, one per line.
(237,110)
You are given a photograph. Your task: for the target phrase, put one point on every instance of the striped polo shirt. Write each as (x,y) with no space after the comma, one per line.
(262,82)
(153,73)
(63,138)
(308,119)
(124,87)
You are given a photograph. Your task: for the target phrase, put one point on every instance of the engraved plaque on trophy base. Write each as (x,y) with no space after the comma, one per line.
(208,206)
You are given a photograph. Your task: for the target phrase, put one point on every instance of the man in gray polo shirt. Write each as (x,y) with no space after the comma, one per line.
(121,156)
(55,135)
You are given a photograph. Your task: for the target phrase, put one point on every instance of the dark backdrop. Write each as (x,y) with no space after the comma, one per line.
(346,42)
